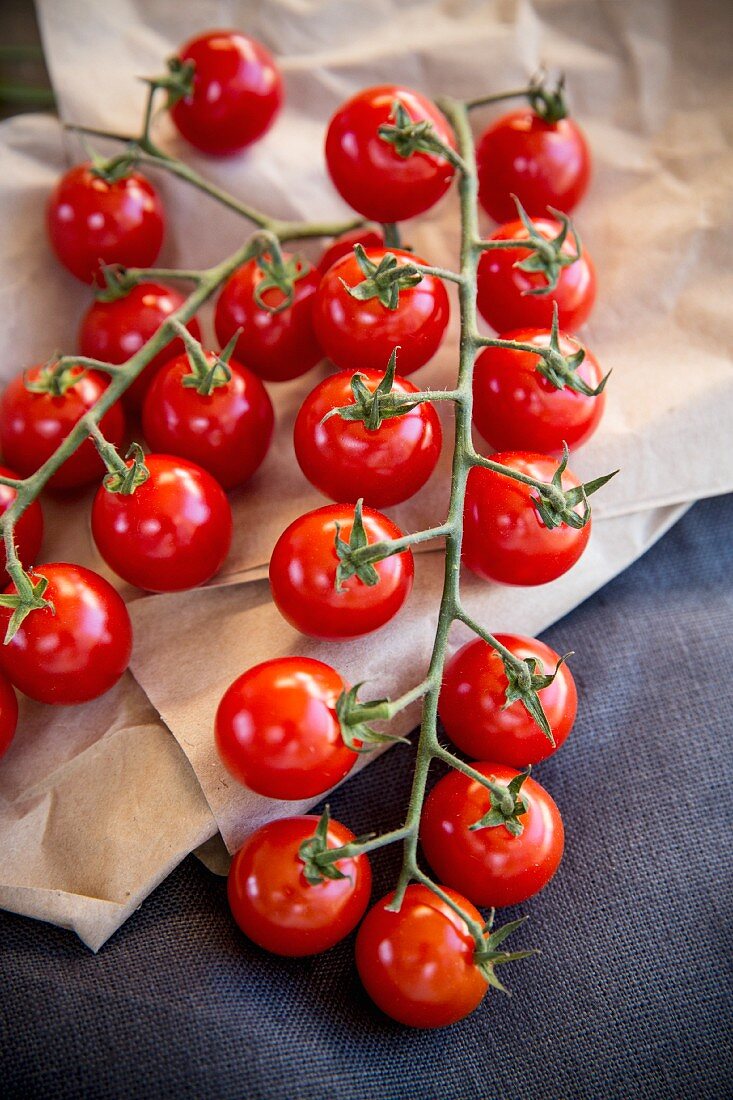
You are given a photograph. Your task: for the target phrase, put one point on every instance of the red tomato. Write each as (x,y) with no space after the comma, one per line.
(516,407)
(227,432)
(490,865)
(277,731)
(358,335)
(237,93)
(273,903)
(277,346)
(33,426)
(473,697)
(28,529)
(504,538)
(346,461)
(172,533)
(303,576)
(368,171)
(418,965)
(114,331)
(502,296)
(542,163)
(92,222)
(8,715)
(344,245)
(75,651)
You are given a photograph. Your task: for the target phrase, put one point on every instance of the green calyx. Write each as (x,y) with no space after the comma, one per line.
(523,683)
(372,407)
(409,137)
(315,871)
(279,274)
(205,376)
(556,505)
(548,103)
(117,283)
(54,379)
(562,370)
(384,280)
(113,169)
(354,716)
(29,596)
(358,540)
(177,82)
(505,806)
(125,477)
(488,956)
(548,257)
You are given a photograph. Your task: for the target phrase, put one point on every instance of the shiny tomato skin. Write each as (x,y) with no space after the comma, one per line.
(346,461)
(76,651)
(33,425)
(277,731)
(276,346)
(227,432)
(473,696)
(542,163)
(358,335)
(28,529)
(303,576)
(8,714)
(237,93)
(418,965)
(113,331)
(504,538)
(501,288)
(172,533)
(517,408)
(92,222)
(344,246)
(277,908)
(490,866)
(369,173)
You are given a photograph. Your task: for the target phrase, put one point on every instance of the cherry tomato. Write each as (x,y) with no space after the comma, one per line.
(542,163)
(516,407)
(358,335)
(344,245)
(113,331)
(75,651)
(490,866)
(227,432)
(28,529)
(418,965)
(346,461)
(8,715)
(502,296)
(303,576)
(172,533)
(368,171)
(277,731)
(473,697)
(93,222)
(276,346)
(504,538)
(33,426)
(237,93)
(273,903)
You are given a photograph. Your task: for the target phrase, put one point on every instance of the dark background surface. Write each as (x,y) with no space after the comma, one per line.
(630,996)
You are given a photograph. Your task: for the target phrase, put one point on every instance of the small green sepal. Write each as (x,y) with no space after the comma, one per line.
(524,682)
(384,280)
(354,716)
(547,257)
(114,169)
(117,283)
(279,274)
(562,370)
(314,872)
(506,806)
(53,378)
(177,82)
(205,376)
(488,957)
(29,596)
(556,505)
(135,474)
(408,137)
(347,567)
(372,407)
(548,103)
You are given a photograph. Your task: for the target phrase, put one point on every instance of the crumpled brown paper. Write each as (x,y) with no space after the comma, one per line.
(98,803)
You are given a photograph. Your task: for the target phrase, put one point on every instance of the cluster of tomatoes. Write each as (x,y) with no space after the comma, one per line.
(208,420)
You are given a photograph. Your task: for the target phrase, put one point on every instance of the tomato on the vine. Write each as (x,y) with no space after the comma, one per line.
(472,703)
(345,460)
(368,171)
(516,407)
(28,531)
(34,424)
(276,346)
(274,904)
(236,95)
(361,335)
(344,246)
(227,431)
(75,650)
(491,866)
(418,964)
(503,297)
(542,163)
(504,538)
(114,331)
(303,575)
(173,532)
(92,221)
(8,714)
(277,730)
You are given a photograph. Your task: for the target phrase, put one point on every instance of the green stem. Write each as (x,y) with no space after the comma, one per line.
(361,847)
(440,273)
(377,551)
(499,97)
(391,235)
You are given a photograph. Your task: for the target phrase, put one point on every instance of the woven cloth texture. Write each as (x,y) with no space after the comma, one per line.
(630,996)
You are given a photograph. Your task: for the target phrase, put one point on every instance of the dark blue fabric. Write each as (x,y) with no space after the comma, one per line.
(630,997)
